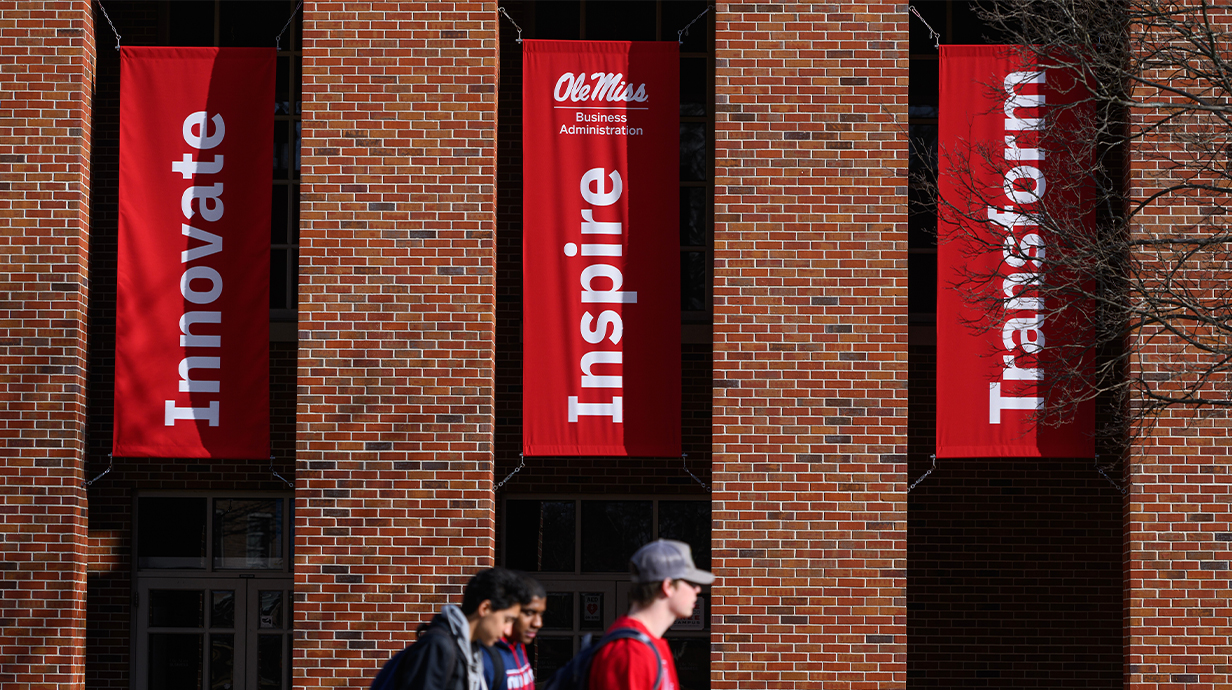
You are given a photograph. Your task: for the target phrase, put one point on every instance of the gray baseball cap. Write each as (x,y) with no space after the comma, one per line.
(667,559)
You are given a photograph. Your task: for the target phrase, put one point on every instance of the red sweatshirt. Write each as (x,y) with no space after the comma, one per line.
(630,665)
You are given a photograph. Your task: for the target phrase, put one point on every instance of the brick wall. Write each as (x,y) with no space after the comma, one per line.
(810,346)
(394,498)
(1178,516)
(47,49)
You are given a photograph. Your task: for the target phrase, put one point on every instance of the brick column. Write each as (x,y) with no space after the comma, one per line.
(47,49)
(810,346)
(394,503)
(1178,512)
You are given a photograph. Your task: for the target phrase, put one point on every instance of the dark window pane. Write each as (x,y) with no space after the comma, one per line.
(176,608)
(692,656)
(248,533)
(550,654)
(271,608)
(175,661)
(282,148)
(170,532)
(922,283)
(558,20)
(253,23)
(677,15)
(923,88)
(693,281)
(693,97)
(611,532)
(558,611)
(191,23)
(540,535)
(299,127)
(689,522)
(279,210)
(223,610)
(269,662)
(624,20)
(293,297)
(222,662)
(922,160)
(282,85)
(278,279)
(692,151)
(592,611)
(693,216)
(921,218)
(294,214)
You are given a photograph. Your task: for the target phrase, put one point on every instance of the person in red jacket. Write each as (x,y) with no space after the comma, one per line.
(666,585)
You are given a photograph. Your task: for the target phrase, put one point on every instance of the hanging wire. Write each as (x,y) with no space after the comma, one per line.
(284,479)
(931,34)
(113,29)
(521,464)
(278,38)
(110,460)
(685,456)
(925,475)
(1100,469)
(515,25)
(685,31)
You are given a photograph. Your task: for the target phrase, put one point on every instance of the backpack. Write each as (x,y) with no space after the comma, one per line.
(387,678)
(575,675)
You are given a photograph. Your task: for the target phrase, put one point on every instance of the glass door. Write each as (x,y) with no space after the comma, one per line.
(213,633)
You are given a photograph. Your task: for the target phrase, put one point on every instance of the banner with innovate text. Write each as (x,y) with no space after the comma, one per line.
(192,305)
(601,250)
(1009,156)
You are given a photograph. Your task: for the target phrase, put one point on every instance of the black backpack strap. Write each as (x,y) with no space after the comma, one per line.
(634,634)
(499,681)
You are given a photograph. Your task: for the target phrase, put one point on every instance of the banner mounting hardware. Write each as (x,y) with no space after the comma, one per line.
(110,459)
(275,473)
(1100,469)
(519,41)
(931,33)
(685,456)
(113,29)
(278,38)
(685,32)
(521,464)
(925,475)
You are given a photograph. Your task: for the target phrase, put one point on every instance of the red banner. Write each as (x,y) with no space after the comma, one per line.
(601,248)
(192,305)
(1006,158)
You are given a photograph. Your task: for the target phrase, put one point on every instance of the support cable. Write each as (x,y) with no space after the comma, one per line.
(925,475)
(685,456)
(113,29)
(110,460)
(1100,469)
(521,464)
(685,32)
(931,33)
(278,38)
(284,479)
(515,25)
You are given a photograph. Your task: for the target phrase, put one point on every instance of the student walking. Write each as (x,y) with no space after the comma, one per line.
(519,674)
(449,652)
(666,585)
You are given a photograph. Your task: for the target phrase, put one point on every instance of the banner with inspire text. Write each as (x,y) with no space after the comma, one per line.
(1008,156)
(601,248)
(192,305)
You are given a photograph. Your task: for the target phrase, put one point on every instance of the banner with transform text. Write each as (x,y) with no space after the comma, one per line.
(1010,166)
(601,251)
(192,305)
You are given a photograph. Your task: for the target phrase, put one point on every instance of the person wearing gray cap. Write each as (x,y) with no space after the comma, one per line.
(665,587)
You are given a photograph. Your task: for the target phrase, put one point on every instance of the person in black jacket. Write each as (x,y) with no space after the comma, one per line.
(448,653)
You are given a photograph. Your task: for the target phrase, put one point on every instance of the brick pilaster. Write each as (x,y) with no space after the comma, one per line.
(394,505)
(810,346)
(46,85)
